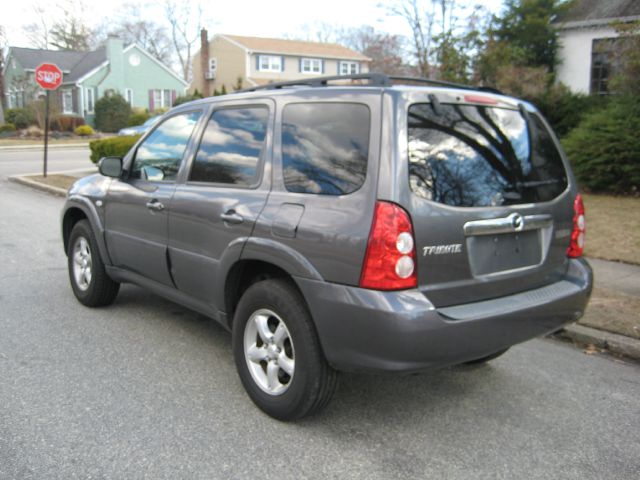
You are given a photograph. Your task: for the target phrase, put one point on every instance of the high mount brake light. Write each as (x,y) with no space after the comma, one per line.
(390,261)
(576,246)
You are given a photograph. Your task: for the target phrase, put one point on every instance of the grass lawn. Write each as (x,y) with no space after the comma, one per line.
(613,228)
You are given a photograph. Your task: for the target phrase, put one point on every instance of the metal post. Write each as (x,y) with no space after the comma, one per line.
(46,133)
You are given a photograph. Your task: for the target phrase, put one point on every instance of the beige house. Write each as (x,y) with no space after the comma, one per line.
(258,61)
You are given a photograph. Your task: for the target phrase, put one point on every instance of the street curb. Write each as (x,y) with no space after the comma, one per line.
(60,192)
(8,148)
(614,343)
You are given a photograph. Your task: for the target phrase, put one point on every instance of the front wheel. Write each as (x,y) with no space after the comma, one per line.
(277,352)
(89,281)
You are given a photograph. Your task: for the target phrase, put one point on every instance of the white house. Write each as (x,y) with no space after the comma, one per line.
(588,42)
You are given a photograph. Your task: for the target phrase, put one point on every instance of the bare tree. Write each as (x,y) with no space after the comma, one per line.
(70,32)
(3,42)
(38,32)
(185,21)
(421,18)
(133,26)
(384,50)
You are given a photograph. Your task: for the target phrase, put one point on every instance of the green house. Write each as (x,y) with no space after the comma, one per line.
(131,71)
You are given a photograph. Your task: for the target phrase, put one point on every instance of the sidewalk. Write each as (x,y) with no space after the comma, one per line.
(40,146)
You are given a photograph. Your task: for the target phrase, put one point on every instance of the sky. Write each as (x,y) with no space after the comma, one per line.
(274,18)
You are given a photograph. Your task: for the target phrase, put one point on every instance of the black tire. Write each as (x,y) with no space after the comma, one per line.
(99,290)
(313,382)
(488,358)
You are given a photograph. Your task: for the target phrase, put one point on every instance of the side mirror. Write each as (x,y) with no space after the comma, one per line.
(110,166)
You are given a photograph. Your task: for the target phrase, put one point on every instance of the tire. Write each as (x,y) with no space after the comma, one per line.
(277,352)
(89,281)
(488,358)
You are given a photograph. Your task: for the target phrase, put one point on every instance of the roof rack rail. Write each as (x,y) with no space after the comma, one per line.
(374,80)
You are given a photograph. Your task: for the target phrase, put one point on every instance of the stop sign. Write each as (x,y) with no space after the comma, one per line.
(48,76)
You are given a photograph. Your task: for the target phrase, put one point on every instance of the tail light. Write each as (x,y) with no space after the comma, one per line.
(390,261)
(576,247)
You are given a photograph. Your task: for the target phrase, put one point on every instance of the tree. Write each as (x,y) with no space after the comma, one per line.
(70,32)
(384,50)
(185,30)
(2,45)
(626,79)
(38,32)
(133,26)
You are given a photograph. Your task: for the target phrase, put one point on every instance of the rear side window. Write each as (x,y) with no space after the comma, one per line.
(325,147)
(231,147)
(474,156)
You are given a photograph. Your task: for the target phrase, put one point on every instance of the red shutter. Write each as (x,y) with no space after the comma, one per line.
(173,97)
(151,105)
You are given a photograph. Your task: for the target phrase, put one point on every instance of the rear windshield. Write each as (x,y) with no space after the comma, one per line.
(475,156)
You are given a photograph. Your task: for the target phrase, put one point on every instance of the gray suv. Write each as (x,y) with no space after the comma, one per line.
(369,226)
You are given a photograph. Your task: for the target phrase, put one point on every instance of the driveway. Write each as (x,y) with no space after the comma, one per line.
(148,389)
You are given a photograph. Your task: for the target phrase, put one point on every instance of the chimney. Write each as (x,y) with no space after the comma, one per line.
(204,61)
(114,52)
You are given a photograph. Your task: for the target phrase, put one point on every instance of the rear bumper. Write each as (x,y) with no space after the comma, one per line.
(368,330)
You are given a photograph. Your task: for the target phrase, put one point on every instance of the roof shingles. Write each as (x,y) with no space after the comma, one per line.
(73,64)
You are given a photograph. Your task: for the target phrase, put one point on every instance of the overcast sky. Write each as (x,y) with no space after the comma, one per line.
(270,18)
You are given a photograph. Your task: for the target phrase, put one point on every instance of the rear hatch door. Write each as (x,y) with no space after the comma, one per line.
(489,198)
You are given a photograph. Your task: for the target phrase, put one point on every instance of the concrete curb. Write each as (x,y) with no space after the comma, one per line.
(8,148)
(614,343)
(24,180)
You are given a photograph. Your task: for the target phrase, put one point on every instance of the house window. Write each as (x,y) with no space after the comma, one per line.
(349,68)
(213,67)
(129,95)
(311,65)
(90,99)
(162,99)
(67,101)
(270,63)
(606,62)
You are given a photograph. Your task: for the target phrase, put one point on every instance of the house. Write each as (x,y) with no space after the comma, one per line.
(258,61)
(589,42)
(131,71)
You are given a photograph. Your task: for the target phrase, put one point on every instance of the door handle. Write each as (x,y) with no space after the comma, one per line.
(155,205)
(231,217)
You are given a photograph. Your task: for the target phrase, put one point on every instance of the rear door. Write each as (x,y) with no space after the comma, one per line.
(224,193)
(488,197)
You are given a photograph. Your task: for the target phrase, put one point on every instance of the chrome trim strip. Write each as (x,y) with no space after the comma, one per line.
(512,223)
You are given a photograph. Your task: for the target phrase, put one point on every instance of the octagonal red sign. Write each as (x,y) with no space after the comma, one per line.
(48,76)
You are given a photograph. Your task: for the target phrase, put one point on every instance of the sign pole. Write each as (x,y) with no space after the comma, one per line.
(46,133)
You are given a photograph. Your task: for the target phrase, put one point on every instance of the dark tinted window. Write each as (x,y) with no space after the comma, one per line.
(231,147)
(160,155)
(325,147)
(473,156)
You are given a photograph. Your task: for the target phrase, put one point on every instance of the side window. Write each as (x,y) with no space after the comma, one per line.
(325,147)
(159,156)
(231,147)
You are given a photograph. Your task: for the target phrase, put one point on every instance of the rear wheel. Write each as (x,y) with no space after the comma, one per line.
(277,352)
(89,281)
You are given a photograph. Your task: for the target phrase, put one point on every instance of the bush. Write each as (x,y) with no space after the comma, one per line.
(187,98)
(111,147)
(66,123)
(34,132)
(20,117)
(138,118)
(112,112)
(84,130)
(605,147)
(7,127)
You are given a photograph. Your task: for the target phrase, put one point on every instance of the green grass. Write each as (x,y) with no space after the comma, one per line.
(613,227)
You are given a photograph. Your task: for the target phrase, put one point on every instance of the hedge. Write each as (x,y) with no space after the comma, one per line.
(138,118)
(604,149)
(7,127)
(111,147)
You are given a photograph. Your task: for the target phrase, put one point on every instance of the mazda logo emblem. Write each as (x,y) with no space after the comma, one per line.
(517,222)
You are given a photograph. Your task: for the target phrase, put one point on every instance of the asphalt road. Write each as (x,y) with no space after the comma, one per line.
(15,162)
(148,389)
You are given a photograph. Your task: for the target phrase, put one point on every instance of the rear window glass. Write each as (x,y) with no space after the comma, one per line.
(325,147)
(474,156)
